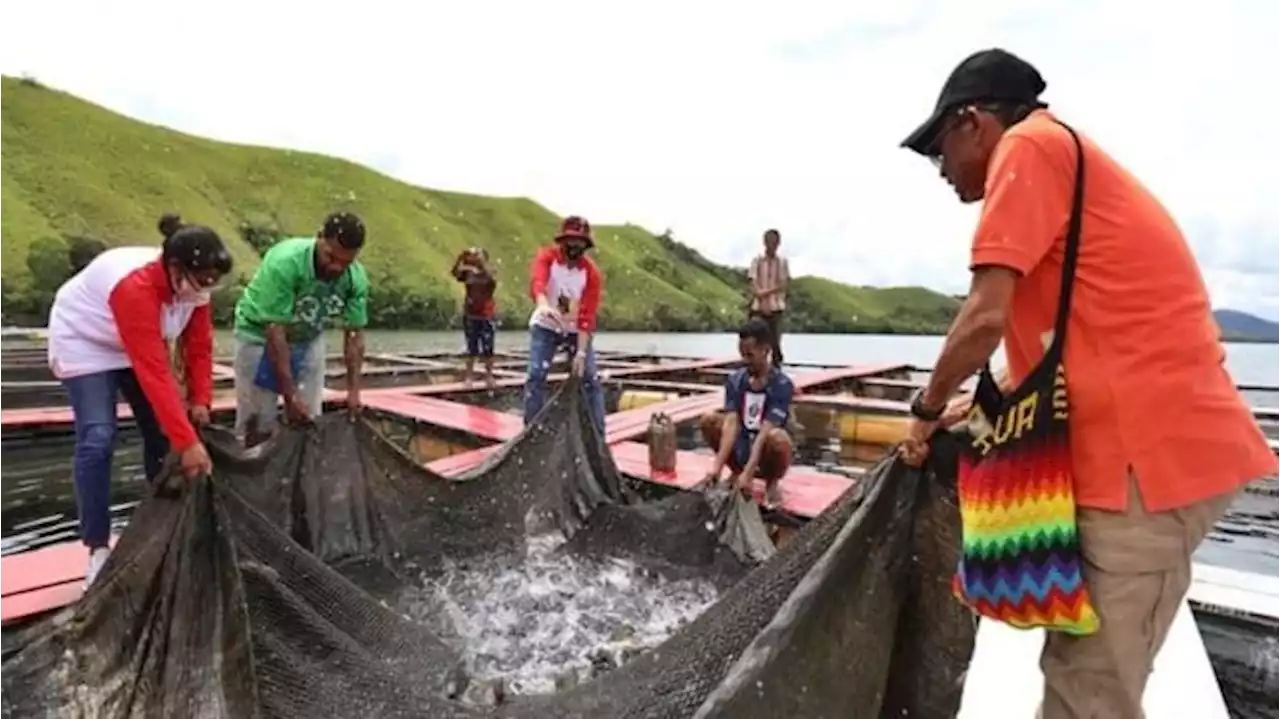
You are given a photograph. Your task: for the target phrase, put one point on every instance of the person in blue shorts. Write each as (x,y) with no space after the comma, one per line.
(750,433)
(472,270)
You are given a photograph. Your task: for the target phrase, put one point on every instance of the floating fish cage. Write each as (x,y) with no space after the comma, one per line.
(844,420)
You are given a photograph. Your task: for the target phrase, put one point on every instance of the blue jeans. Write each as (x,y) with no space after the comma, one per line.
(543,346)
(93,408)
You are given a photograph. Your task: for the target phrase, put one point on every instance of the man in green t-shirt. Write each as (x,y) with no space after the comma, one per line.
(301,286)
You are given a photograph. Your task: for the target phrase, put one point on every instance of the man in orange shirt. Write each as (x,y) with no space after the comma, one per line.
(1161,441)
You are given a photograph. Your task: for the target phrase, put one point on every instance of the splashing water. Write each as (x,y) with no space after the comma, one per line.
(547,621)
(1264,660)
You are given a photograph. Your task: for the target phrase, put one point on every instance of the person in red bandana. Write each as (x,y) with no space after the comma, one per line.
(566,285)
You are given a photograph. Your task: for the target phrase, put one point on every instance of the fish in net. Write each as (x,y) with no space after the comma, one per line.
(267,590)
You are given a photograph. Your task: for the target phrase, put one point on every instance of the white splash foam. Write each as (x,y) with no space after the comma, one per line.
(553,620)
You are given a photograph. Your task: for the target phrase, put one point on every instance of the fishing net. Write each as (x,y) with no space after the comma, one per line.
(270,589)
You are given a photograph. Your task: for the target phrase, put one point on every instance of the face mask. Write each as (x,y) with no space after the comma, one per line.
(574,251)
(188,293)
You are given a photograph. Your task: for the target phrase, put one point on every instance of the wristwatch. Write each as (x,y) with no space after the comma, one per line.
(919,411)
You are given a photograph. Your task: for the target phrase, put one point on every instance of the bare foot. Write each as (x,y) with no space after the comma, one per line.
(772,495)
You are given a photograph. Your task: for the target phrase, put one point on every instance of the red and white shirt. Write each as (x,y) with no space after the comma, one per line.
(577,287)
(118,313)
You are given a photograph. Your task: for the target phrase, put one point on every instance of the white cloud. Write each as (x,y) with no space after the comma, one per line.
(716,119)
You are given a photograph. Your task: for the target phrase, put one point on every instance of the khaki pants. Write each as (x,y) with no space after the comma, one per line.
(1138,570)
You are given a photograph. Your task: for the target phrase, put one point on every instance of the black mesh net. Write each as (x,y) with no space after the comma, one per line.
(268,590)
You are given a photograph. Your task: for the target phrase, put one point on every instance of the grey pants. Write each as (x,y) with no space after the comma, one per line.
(256,403)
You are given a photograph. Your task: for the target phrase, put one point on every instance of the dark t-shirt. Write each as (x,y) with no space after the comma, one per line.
(480,287)
(752,407)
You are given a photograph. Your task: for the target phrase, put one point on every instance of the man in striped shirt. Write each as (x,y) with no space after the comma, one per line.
(770,277)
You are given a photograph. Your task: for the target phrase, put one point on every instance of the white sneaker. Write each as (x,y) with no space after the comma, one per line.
(97,558)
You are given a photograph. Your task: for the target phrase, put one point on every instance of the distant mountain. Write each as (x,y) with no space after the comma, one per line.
(1238,326)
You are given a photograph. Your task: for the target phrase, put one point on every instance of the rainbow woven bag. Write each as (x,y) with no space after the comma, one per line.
(1020,563)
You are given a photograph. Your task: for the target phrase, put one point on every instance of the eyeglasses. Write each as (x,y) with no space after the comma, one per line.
(211,282)
(949,123)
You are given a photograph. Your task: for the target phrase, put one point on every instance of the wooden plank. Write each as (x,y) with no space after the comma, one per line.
(894,383)
(43,567)
(477,385)
(854,404)
(805,493)
(459,463)
(1220,588)
(42,579)
(813,380)
(409,362)
(39,601)
(634,423)
(36,416)
(662,384)
(480,421)
(682,366)
(503,426)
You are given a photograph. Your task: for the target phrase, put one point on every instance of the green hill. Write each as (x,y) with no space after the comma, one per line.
(77,176)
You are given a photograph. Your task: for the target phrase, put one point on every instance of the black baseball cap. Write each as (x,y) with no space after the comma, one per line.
(984,76)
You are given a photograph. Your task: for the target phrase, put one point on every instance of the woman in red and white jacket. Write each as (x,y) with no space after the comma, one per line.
(567,286)
(108,333)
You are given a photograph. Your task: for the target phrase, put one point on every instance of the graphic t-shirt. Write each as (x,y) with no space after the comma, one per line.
(574,289)
(285,290)
(753,406)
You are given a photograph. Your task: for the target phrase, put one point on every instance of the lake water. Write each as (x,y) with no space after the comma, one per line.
(1248,363)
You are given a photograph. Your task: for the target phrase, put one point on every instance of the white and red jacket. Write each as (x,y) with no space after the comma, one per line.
(579,285)
(118,313)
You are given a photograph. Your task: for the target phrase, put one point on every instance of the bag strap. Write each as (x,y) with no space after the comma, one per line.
(1071,253)
(988,392)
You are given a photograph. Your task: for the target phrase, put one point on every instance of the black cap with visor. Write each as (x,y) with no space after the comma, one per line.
(993,75)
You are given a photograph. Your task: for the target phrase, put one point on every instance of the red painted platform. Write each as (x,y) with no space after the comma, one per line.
(636,422)
(42,579)
(805,492)
(36,416)
(480,421)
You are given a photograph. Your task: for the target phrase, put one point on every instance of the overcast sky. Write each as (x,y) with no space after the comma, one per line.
(715,119)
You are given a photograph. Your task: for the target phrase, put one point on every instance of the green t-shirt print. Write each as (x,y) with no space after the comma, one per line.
(285,290)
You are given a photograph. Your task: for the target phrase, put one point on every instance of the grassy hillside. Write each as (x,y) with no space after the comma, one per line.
(77,176)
